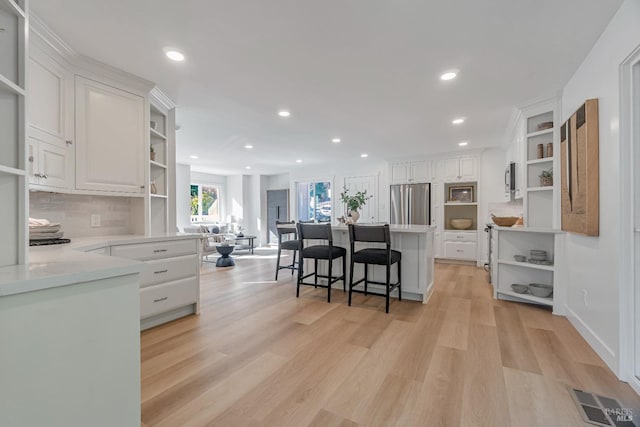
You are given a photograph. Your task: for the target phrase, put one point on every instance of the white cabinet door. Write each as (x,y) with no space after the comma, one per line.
(47,99)
(468,168)
(53,165)
(110,138)
(369,183)
(451,169)
(421,171)
(400,173)
(437,243)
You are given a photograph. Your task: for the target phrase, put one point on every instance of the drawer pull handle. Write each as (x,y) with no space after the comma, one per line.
(459,250)
(459,237)
(160,299)
(160,272)
(157,251)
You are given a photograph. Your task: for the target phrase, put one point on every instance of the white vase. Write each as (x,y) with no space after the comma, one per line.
(354,216)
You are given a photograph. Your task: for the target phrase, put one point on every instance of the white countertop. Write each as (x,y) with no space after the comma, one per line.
(61,265)
(396,228)
(528,229)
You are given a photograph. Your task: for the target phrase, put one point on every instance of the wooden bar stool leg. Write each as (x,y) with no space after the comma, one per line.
(293,264)
(344,274)
(300,274)
(315,276)
(400,280)
(366,277)
(278,263)
(388,286)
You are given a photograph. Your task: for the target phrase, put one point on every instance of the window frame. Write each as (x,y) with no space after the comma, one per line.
(195,219)
(314,180)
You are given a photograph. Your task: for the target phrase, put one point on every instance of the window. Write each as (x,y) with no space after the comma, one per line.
(314,201)
(205,203)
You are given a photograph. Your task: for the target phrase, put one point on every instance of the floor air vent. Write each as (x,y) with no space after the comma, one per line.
(602,411)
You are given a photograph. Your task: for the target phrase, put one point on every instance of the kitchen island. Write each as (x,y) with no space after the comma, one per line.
(416,244)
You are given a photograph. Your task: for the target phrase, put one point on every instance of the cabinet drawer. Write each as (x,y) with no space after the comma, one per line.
(460,250)
(167,270)
(168,296)
(459,237)
(100,251)
(155,250)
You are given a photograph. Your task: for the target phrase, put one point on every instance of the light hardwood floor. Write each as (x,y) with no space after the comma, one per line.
(257,356)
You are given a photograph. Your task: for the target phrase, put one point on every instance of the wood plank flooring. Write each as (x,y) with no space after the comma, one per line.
(257,356)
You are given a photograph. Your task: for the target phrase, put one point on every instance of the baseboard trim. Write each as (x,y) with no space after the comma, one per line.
(634,382)
(602,349)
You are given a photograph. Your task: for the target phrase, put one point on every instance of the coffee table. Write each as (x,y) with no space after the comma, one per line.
(225,260)
(249,239)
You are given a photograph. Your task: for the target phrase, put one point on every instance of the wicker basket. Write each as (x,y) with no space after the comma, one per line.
(546,181)
(504,221)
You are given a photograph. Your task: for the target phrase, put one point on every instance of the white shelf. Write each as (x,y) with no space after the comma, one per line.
(159,196)
(540,132)
(157,134)
(12,7)
(12,171)
(460,204)
(156,164)
(537,161)
(7,84)
(528,265)
(548,188)
(528,297)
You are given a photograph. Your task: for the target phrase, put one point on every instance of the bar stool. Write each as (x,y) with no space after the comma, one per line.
(288,230)
(320,252)
(377,256)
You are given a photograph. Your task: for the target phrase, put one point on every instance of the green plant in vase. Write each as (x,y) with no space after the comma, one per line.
(353,203)
(546,178)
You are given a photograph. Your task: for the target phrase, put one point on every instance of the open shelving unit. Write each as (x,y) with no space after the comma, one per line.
(514,241)
(540,201)
(161,172)
(14,22)
(457,210)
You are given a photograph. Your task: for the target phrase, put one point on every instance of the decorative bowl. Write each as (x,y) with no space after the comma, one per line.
(538,255)
(540,290)
(520,289)
(520,258)
(461,223)
(504,221)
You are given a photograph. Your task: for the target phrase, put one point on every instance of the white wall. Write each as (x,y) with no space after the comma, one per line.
(277,182)
(593,262)
(183,199)
(235,197)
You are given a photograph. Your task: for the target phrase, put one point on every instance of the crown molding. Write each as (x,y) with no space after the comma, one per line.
(51,39)
(162,98)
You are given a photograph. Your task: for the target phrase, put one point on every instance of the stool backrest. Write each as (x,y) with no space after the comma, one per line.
(370,233)
(315,231)
(286,227)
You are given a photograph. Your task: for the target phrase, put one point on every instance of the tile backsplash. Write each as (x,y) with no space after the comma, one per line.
(74,212)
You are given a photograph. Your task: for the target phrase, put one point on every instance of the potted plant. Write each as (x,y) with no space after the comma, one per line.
(152,153)
(353,203)
(546,178)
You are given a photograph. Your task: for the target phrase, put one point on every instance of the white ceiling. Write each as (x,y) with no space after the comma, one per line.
(364,70)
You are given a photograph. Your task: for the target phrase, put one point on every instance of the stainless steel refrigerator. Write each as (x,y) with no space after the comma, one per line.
(410,204)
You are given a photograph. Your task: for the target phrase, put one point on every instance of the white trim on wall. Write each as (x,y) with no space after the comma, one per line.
(629,133)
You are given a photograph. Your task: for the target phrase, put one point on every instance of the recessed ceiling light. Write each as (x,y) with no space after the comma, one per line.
(363,155)
(247,167)
(463,143)
(284,113)
(458,121)
(248,146)
(336,140)
(193,156)
(174,55)
(299,161)
(449,75)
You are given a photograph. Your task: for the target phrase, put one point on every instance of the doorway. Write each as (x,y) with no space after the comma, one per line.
(277,210)
(369,183)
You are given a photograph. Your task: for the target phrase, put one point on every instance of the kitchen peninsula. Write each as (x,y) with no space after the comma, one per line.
(415,242)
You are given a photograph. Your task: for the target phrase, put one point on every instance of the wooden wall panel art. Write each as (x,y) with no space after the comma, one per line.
(579,188)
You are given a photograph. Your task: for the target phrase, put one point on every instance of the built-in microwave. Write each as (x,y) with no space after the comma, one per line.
(510,182)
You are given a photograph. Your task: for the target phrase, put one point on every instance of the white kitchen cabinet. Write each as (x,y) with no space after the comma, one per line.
(170,282)
(410,172)
(49,103)
(460,169)
(48,165)
(460,250)
(110,138)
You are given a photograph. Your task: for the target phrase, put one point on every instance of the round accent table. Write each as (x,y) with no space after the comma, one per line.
(225,260)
